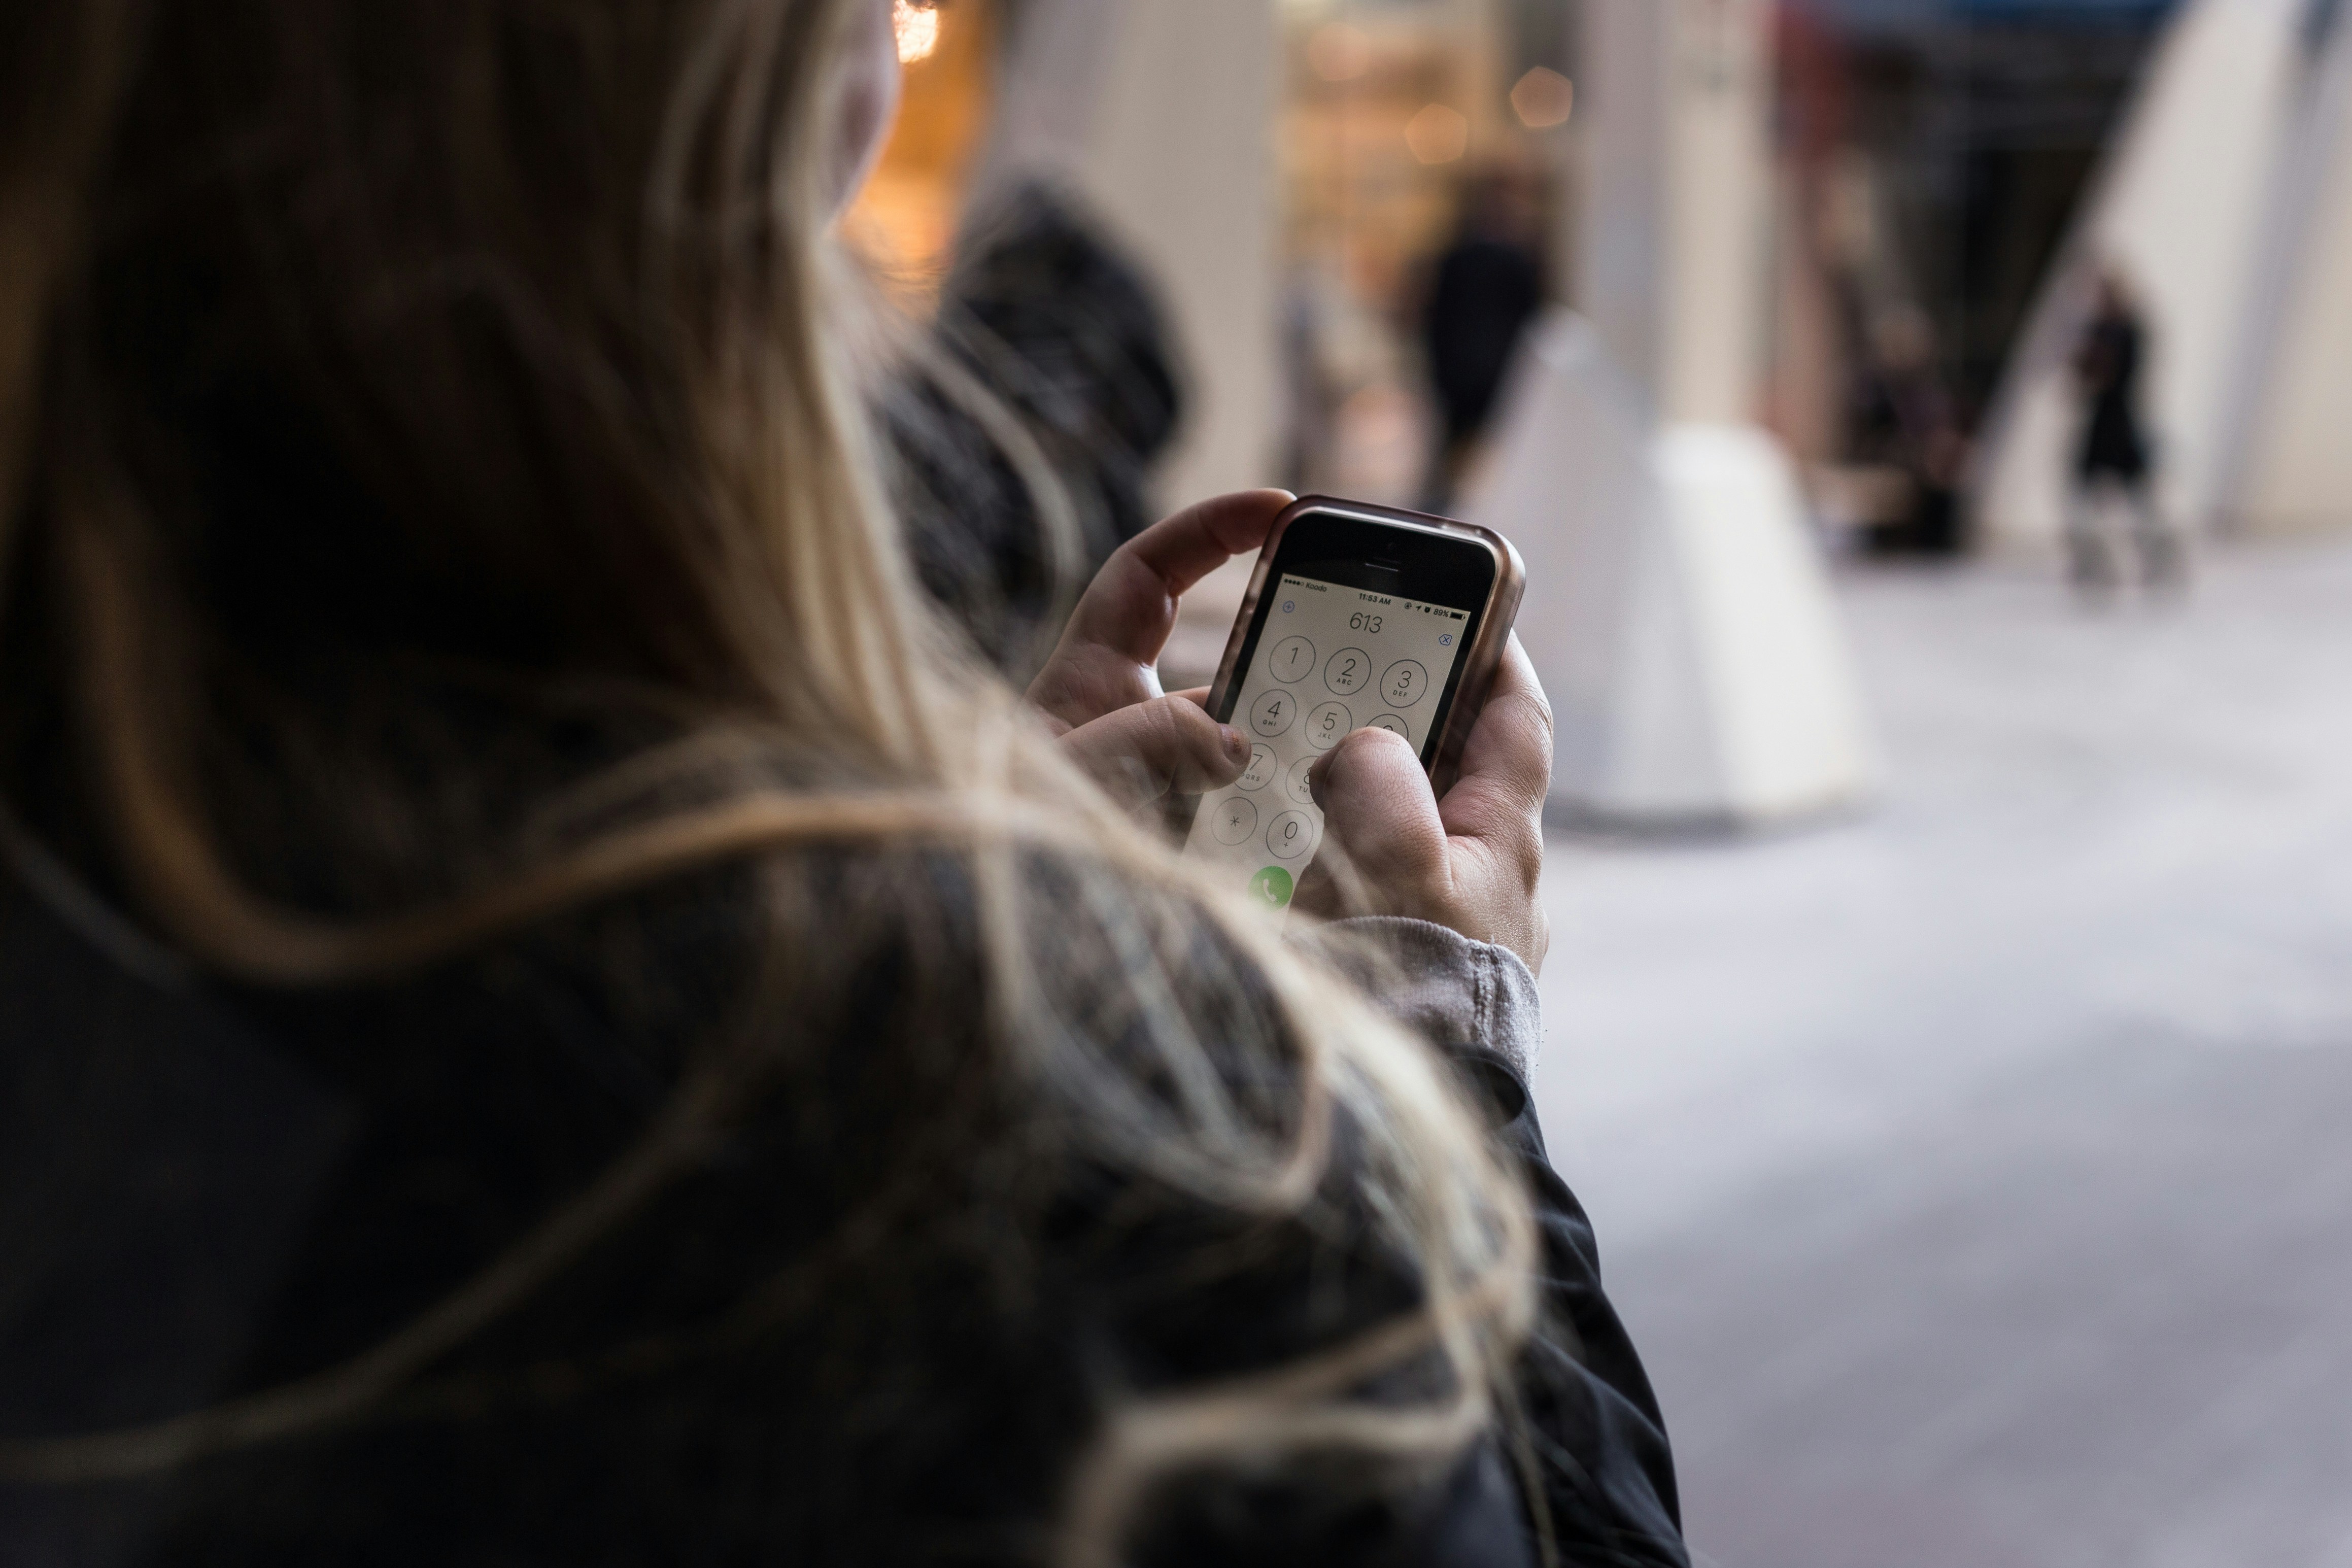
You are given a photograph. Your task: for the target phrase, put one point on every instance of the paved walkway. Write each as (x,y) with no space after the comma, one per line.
(1977,1177)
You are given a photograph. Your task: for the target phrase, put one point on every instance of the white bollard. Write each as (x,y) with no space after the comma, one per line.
(1677,610)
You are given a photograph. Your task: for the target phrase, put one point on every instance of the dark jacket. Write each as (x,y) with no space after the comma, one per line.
(206,1192)
(1484,294)
(2108,364)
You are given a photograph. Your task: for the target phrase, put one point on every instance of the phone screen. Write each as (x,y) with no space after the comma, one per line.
(1325,659)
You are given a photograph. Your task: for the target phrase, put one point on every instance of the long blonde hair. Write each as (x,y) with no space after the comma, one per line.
(577,344)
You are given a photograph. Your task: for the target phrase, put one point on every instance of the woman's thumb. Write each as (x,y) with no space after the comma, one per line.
(1379,813)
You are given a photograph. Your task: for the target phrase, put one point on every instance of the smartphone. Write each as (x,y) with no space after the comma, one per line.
(1358,616)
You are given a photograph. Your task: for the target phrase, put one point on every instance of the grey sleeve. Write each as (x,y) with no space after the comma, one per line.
(1600,1443)
(1449,989)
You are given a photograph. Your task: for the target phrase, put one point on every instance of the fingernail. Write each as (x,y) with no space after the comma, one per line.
(1238,744)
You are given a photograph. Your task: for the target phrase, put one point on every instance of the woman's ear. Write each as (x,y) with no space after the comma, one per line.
(871,103)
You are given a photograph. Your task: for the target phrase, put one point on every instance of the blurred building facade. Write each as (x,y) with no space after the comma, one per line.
(2225,203)
(1292,169)
(1932,158)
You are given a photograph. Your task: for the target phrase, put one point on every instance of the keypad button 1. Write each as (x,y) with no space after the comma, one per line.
(1273,712)
(1293,658)
(1328,725)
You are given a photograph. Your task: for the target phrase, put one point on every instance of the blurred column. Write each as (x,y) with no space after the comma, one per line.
(1677,607)
(1161,113)
(1675,239)
(2289,466)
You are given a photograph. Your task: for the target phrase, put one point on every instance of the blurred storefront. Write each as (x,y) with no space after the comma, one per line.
(1378,115)
(1397,116)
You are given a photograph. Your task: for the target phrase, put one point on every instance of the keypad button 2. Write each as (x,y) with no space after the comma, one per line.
(1348,671)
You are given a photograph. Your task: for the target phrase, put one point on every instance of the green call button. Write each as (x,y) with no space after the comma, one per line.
(1272,887)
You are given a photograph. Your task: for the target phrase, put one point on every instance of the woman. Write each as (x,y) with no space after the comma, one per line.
(550,1018)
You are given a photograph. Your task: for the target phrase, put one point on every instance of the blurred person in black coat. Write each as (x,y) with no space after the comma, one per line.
(1486,289)
(2116,457)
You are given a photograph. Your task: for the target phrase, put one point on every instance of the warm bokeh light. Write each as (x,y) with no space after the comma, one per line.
(1339,52)
(1437,134)
(906,220)
(1543,98)
(918,30)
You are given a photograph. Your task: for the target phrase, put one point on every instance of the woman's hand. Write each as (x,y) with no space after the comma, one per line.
(1470,861)
(1100,692)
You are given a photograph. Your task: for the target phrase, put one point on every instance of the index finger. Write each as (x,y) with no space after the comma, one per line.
(1506,761)
(1130,606)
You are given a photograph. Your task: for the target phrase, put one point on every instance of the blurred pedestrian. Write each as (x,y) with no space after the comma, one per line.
(1482,292)
(1051,345)
(1904,421)
(2114,461)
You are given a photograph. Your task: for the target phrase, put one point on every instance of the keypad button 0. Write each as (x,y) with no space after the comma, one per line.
(1292,836)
